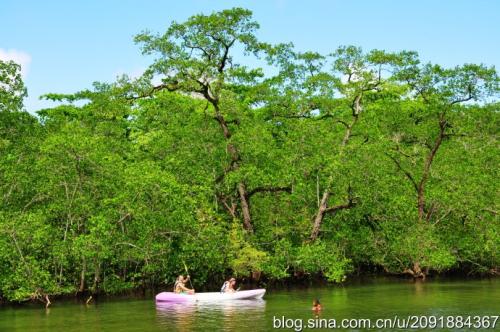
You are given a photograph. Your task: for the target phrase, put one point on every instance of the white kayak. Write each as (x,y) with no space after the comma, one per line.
(253,294)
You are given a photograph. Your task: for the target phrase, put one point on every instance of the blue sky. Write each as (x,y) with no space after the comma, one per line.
(67,45)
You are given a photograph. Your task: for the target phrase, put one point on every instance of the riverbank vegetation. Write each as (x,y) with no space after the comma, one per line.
(234,156)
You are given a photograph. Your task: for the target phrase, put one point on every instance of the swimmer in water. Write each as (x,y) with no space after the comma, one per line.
(316,305)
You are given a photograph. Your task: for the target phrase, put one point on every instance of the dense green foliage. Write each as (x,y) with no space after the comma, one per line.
(323,166)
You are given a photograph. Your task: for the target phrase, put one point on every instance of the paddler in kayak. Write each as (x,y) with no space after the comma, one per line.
(228,286)
(180,285)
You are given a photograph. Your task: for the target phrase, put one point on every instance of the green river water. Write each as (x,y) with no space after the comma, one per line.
(376,299)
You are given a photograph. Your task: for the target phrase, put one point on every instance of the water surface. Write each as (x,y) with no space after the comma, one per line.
(375,299)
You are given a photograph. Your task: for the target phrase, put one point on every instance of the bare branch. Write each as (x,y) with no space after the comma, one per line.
(461,100)
(494,212)
(225,56)
(269,189)
(408,174)
(170,87)
(335,208)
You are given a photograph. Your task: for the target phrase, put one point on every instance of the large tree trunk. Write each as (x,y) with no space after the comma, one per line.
(235,159)
(324,209)
(356,110)
(348,130)
(82,276)
(323,205)
(97,277)
(421,203)
(245,207)
(427,168)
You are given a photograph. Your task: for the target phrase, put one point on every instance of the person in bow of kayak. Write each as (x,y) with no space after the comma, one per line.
(228,286)
(180,285)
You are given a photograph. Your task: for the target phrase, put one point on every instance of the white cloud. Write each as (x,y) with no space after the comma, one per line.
(20,57)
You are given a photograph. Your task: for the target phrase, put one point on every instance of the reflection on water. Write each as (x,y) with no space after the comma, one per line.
(375,299)
(232,315)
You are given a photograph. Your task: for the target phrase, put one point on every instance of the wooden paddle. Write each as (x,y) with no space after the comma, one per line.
(187,272)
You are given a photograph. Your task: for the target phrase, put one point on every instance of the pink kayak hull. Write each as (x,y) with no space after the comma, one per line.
(253,294)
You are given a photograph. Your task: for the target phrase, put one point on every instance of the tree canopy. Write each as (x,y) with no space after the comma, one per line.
(309,165)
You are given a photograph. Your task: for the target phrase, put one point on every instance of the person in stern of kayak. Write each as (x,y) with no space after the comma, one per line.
(180,286)
(228,286)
